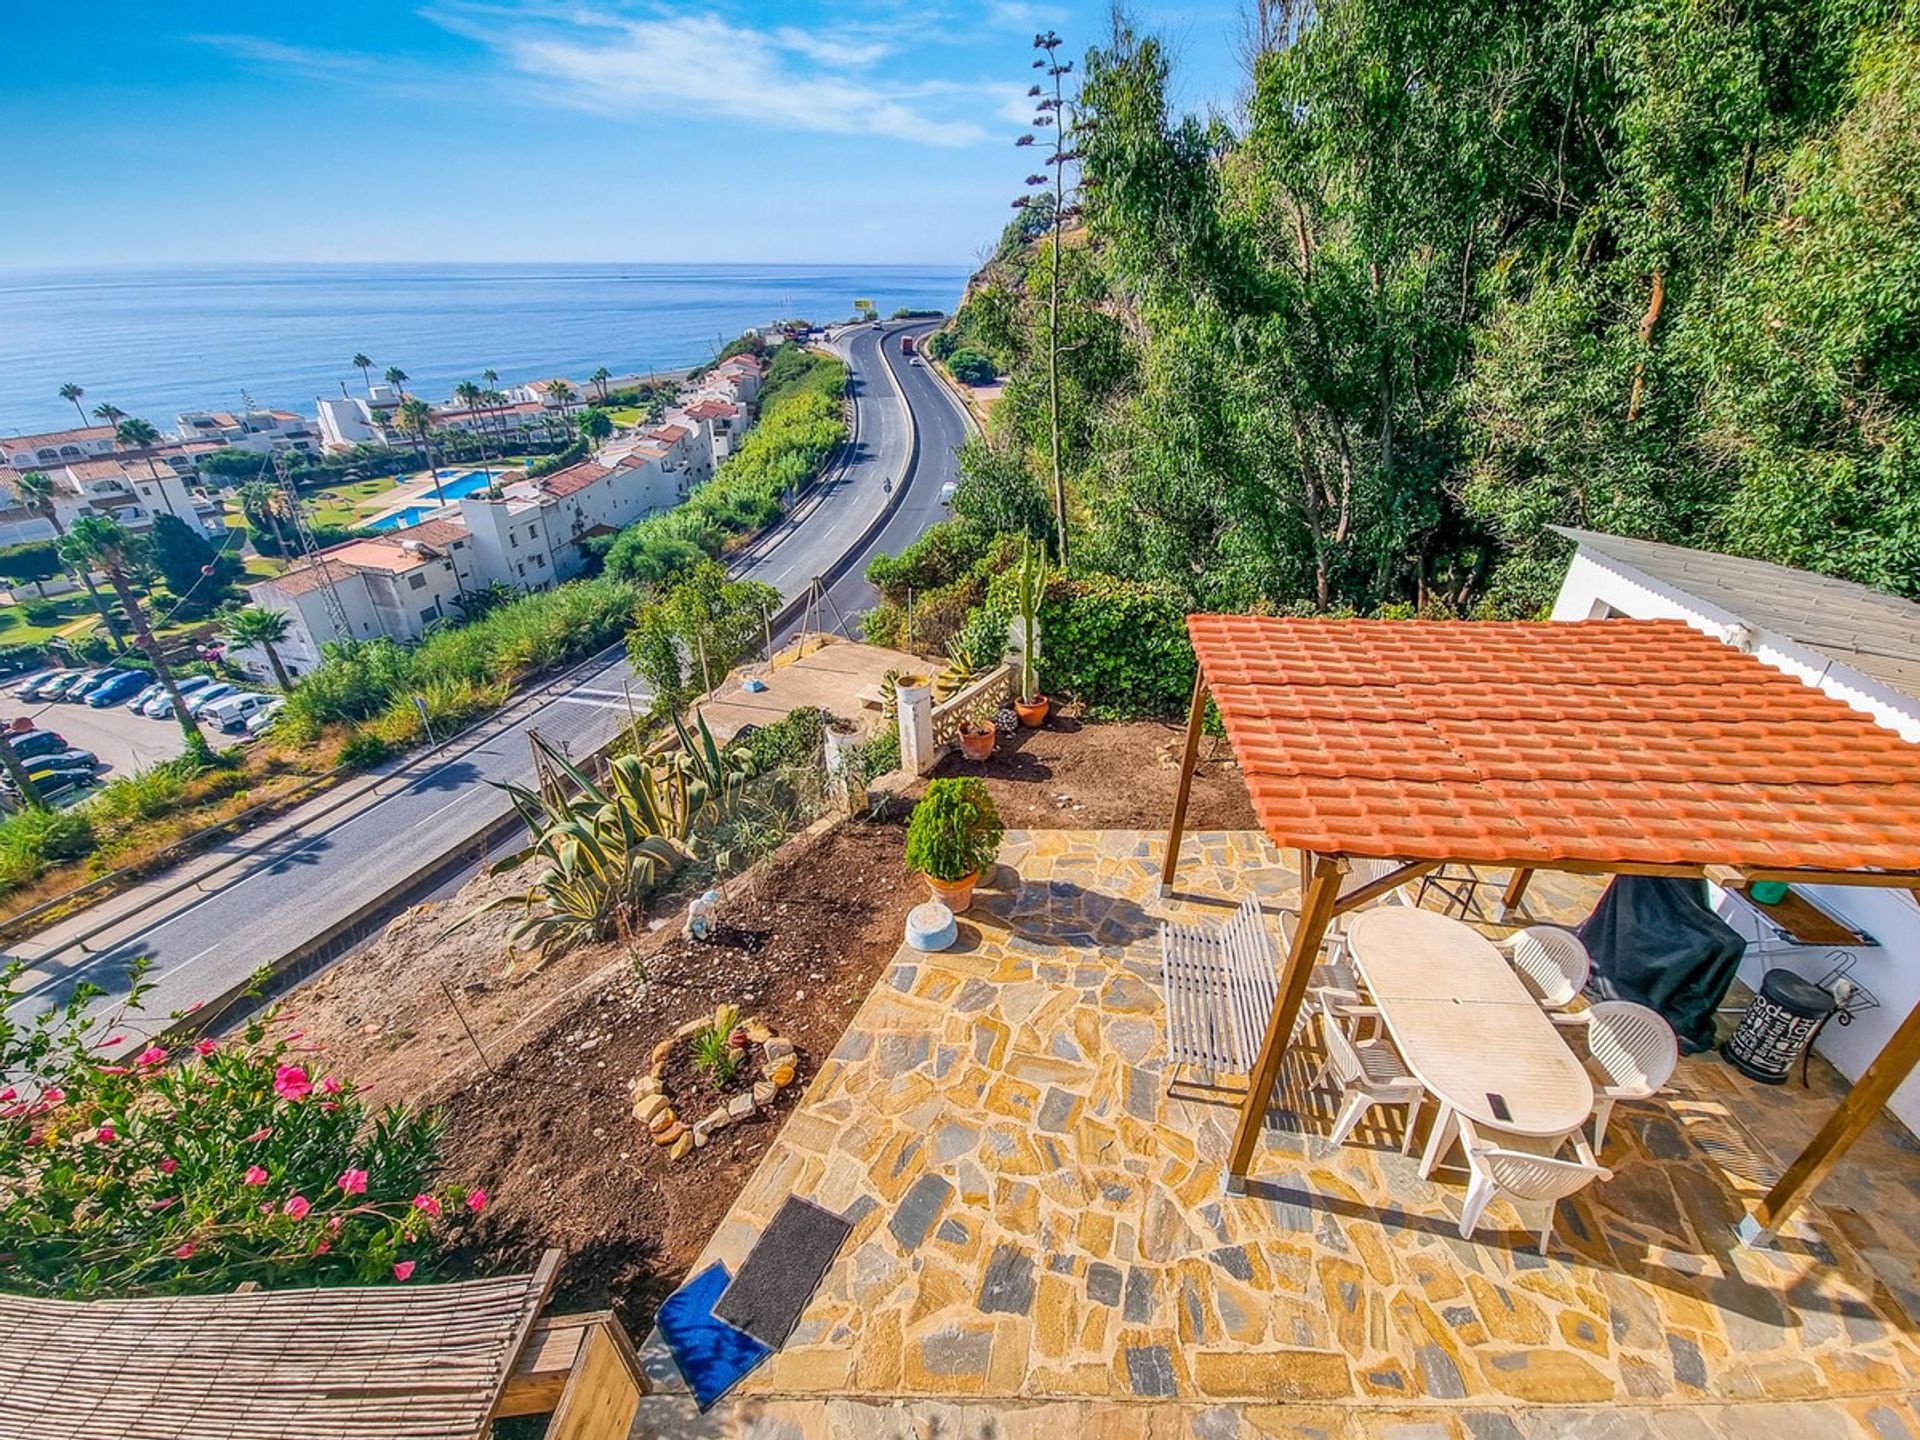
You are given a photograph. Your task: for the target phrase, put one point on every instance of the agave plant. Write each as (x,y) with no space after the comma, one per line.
(606,846)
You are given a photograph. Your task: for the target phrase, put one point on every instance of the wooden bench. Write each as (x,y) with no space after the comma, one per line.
(582,1370)
(1221,985)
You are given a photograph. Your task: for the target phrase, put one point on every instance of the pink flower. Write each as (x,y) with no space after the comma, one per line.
(168,1165)
(426,1204)
(297,1207)
(322,1248)
(262,1133)
(290,1083)
(476,1200)
(333,1224)
(254,1176)
(294,1036)
(52,1095)
(193,1007)
(403,1270)
(354,1182)
(204,1048)
(104,1134)
(152,1055)
(113,1040)
(329,1105)
(329,1085)
(266,1207)
(9,1093)
(116,1069)
(185,1251)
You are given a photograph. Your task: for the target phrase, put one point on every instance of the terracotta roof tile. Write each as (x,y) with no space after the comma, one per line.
(573,479)
(1604,742)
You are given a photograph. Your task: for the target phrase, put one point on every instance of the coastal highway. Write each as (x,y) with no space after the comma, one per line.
(352,861)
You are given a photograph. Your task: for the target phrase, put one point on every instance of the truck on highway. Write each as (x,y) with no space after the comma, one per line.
(906,344)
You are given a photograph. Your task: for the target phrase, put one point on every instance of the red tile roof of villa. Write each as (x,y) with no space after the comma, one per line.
(309,576)
(712,409)
(1607,743)
(435,532)
(573,479)
(52,438)
(671,434)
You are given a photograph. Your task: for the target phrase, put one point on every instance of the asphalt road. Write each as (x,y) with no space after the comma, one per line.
(314,879)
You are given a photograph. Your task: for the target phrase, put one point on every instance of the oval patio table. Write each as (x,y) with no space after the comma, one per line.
(1467,1027)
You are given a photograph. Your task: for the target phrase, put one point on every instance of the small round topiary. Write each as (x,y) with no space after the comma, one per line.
(955,831)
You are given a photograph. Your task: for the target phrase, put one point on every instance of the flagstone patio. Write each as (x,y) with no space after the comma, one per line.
(1037,1220)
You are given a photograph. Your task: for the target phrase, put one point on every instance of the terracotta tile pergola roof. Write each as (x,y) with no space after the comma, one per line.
(1608,744)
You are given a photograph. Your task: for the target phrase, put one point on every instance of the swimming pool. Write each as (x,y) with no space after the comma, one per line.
(460,486)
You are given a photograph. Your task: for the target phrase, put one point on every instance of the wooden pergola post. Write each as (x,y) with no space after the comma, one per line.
(1516,888)
(1316,913)
(1196,713)
(1871,1091)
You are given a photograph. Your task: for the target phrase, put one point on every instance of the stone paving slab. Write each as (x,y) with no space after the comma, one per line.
(1037,1219)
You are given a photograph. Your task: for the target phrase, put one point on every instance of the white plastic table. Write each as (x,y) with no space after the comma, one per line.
(1467,1027)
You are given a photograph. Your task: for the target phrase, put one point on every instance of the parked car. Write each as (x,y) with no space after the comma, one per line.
(28,743)
(77,691)
(231,712)
(64,760)
(65,681)
(138,703)
(83,694)
(30,689)
(946,492)
(160,707)
(201,699)
(258,722)
(113,691)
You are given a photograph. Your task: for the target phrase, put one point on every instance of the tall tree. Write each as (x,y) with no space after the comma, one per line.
(363,362)
(261,503)
(198,576)
(73,393)
(257,626)
(107,413)
(96,540)
(137,434)
(600,378)
(37,492)
(397,378)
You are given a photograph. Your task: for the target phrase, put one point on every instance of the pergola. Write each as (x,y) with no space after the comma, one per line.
(1605,747)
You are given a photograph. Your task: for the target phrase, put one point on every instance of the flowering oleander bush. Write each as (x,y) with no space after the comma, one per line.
(198,1166)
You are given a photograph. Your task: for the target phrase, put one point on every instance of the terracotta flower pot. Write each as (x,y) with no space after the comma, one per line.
(1032,712)
(956,895)
(977,743)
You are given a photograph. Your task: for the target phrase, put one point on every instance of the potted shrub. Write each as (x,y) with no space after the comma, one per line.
(976,741)
(1030,704)
(953,836)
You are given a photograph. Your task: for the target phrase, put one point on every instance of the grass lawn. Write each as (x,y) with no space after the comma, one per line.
(345,509)
(625,416)
(16,629)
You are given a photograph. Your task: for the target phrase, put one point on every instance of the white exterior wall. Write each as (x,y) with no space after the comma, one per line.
(1595,589)
(510,543)
(311,626)
(343,423)
(406,603)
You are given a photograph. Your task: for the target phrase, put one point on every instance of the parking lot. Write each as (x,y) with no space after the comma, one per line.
(124,741)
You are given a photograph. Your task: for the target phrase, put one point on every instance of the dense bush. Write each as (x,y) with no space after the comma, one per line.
(685,642)
(195,1168)
(944,575)
(970,367)
(1118,647)
(463,671)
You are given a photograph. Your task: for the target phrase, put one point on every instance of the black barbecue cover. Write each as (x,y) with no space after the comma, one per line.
(1654,941)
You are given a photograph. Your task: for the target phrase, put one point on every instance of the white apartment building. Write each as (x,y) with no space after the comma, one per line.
(395,586)
(56,447)
(259,431)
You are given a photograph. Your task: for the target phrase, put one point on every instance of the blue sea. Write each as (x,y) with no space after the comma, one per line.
(157,342)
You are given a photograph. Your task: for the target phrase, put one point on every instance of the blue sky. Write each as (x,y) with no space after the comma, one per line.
(138,133)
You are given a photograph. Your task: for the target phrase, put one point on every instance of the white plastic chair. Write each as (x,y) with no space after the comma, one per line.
(1552,961)
(1530,1173)
(1362,871)
(1634,1050)
(1368,1068)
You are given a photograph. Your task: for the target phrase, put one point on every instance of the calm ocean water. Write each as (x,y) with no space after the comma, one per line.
(156,342)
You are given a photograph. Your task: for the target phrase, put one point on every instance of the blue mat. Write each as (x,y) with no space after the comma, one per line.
(711,1354)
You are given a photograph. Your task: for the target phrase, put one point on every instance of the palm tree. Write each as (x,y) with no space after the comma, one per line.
(493,399)
(16,772)
(108,414)
(470,397)
(257,497)
(257,625)
(96,540)
(497,402)
(416,415)
(363,362)
(73,392)
(562,395)
(138,434)
(36,492)
(397,378)
(593,423)
(600,378)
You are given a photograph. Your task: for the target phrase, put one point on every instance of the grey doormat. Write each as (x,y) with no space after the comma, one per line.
(782,1271)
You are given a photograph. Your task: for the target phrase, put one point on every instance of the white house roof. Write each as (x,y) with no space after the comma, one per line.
(1868,630)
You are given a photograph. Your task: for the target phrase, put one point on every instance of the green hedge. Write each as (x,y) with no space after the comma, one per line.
(1118,647)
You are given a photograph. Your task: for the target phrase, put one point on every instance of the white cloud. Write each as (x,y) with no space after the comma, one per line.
(700,65)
